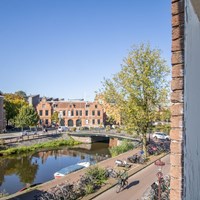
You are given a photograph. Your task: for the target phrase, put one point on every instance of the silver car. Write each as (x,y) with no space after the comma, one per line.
(29,132)
(161,136)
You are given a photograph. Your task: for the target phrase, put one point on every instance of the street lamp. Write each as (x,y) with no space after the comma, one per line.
(159,164)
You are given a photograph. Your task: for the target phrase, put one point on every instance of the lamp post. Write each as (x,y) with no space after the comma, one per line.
(159,164)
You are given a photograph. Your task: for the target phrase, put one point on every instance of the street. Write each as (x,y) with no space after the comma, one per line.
(138,183)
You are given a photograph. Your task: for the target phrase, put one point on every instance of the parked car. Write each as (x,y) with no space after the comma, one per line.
(161,136)
(29,132)
(63,128)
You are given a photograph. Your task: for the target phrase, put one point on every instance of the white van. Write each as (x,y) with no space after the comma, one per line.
(63,128)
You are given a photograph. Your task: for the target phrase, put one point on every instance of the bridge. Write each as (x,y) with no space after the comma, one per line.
(114,139)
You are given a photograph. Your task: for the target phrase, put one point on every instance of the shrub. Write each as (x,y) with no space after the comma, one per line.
(125,146)
(89,188)
(108,128)
(73,129)
(98,175)
(93,179)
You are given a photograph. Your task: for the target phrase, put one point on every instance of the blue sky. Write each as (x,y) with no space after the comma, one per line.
(64,48)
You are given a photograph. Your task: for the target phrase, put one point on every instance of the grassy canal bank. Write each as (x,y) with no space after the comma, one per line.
(50,144)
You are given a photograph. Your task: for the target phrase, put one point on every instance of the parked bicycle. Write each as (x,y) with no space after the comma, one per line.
(138,159)
(152,192)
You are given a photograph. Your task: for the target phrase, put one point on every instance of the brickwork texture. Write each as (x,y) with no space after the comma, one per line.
(177,100)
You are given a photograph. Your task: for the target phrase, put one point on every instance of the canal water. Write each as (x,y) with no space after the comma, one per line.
(17,172)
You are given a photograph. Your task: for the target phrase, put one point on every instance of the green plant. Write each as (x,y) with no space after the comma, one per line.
(97,174)
(73,129)
(89,189)
(108,128)
(125,146)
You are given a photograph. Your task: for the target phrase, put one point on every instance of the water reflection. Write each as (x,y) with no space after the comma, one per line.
(19,171)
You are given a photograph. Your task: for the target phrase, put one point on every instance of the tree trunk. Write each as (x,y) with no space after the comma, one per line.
(144,145)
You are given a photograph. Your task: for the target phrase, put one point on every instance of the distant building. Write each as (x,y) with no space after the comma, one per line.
(2,117)
(72,113)
(34,100)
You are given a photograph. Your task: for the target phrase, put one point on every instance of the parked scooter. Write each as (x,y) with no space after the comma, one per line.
(121,163)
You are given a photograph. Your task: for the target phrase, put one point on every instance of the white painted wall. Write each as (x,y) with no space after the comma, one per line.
(192,105)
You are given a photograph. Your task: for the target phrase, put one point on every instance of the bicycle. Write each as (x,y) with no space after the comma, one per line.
(122,181)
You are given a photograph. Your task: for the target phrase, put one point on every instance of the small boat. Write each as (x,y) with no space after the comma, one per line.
(71,168)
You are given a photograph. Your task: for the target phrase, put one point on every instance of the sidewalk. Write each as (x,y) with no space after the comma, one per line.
(74,177)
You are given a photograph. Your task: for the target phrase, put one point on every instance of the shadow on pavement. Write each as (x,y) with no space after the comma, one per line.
(132,184)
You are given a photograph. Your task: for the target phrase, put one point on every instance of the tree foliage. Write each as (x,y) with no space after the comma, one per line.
(12,105)
(54,117)
(27,117)
(139,89)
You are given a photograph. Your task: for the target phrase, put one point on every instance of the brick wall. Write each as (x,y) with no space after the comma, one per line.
(177,100)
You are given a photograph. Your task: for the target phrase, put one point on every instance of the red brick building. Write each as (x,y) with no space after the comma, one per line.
(185,109)
(75,113)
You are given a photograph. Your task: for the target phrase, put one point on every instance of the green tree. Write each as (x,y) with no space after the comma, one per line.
(139,89)
(27,117)
(12,105)
(54,117)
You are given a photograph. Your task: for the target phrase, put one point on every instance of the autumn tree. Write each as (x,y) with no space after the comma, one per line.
(27,117)
(54,117)
(139,89)
(12,105)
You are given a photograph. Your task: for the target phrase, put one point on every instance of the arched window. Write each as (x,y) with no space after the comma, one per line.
(70,122)
(78,122)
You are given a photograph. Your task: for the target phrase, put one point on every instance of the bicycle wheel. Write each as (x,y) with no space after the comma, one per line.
(118,187)
(125,183)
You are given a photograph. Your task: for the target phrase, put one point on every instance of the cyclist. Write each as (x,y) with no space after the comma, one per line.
(122,180)
(123,176)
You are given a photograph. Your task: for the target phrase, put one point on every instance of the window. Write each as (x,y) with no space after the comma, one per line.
(72,113)
(87,105)
(40,113)
(98,121)
(93,121)
(43,105)
(46,112)
(69,113)
(63,112)
(99,113)
(93,112)
(80,112)
(46,121)
(76,112)
(86,121)
(95,106)
(86,113)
